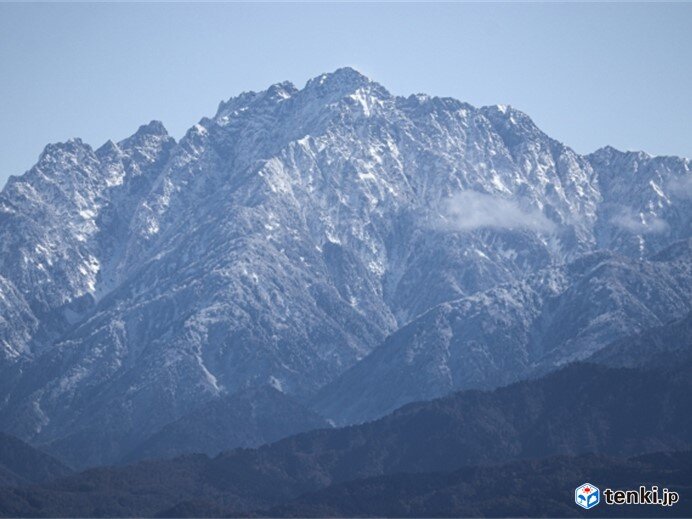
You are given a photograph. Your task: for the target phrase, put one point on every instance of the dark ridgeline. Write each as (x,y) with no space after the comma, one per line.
(21,464)
(536,488)
(581,409)
(248,419)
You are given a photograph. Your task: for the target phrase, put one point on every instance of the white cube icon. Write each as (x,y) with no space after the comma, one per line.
(587,495)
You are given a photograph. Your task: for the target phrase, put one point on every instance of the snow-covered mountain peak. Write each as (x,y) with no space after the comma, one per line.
(58,151)
(283,239)
(153,128)
(609,153)
(343,80)
(307,105)
(108,148)
(512,123)
(425,104)
(283,90)
(149,144)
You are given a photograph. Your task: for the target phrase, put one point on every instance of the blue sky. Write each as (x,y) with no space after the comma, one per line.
(588,74)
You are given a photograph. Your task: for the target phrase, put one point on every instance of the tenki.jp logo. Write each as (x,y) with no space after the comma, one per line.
(587,495)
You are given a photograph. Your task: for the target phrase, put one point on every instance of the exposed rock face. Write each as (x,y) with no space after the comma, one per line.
(281,241)
(514,331)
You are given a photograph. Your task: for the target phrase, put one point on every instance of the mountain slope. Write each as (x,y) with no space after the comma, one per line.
(20,463)
(661,345)
(513,331)
(61,220)
(531,489)
(284,239)
(249,419)
(584,408)
(646,200)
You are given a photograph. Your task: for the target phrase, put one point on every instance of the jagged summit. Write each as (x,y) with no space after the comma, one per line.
(345,79)
(611,153)
(282,90)
(108,148)
(71,145)
(344,82)
(152,128)
(514,123)
(325,88)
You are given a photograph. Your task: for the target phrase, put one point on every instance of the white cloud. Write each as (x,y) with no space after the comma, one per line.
(681,187)
(639,223)
(471,210)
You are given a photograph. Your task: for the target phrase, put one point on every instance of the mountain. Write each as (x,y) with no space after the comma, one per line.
(649,210)
(580,409)
(561,314)
(284,239)
(58,224)
(541,488)
(658,346)
(248,419)
(20,463)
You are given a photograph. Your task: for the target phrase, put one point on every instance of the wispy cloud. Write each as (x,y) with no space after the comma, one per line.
(639,223)
(681,187)
(471,210)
